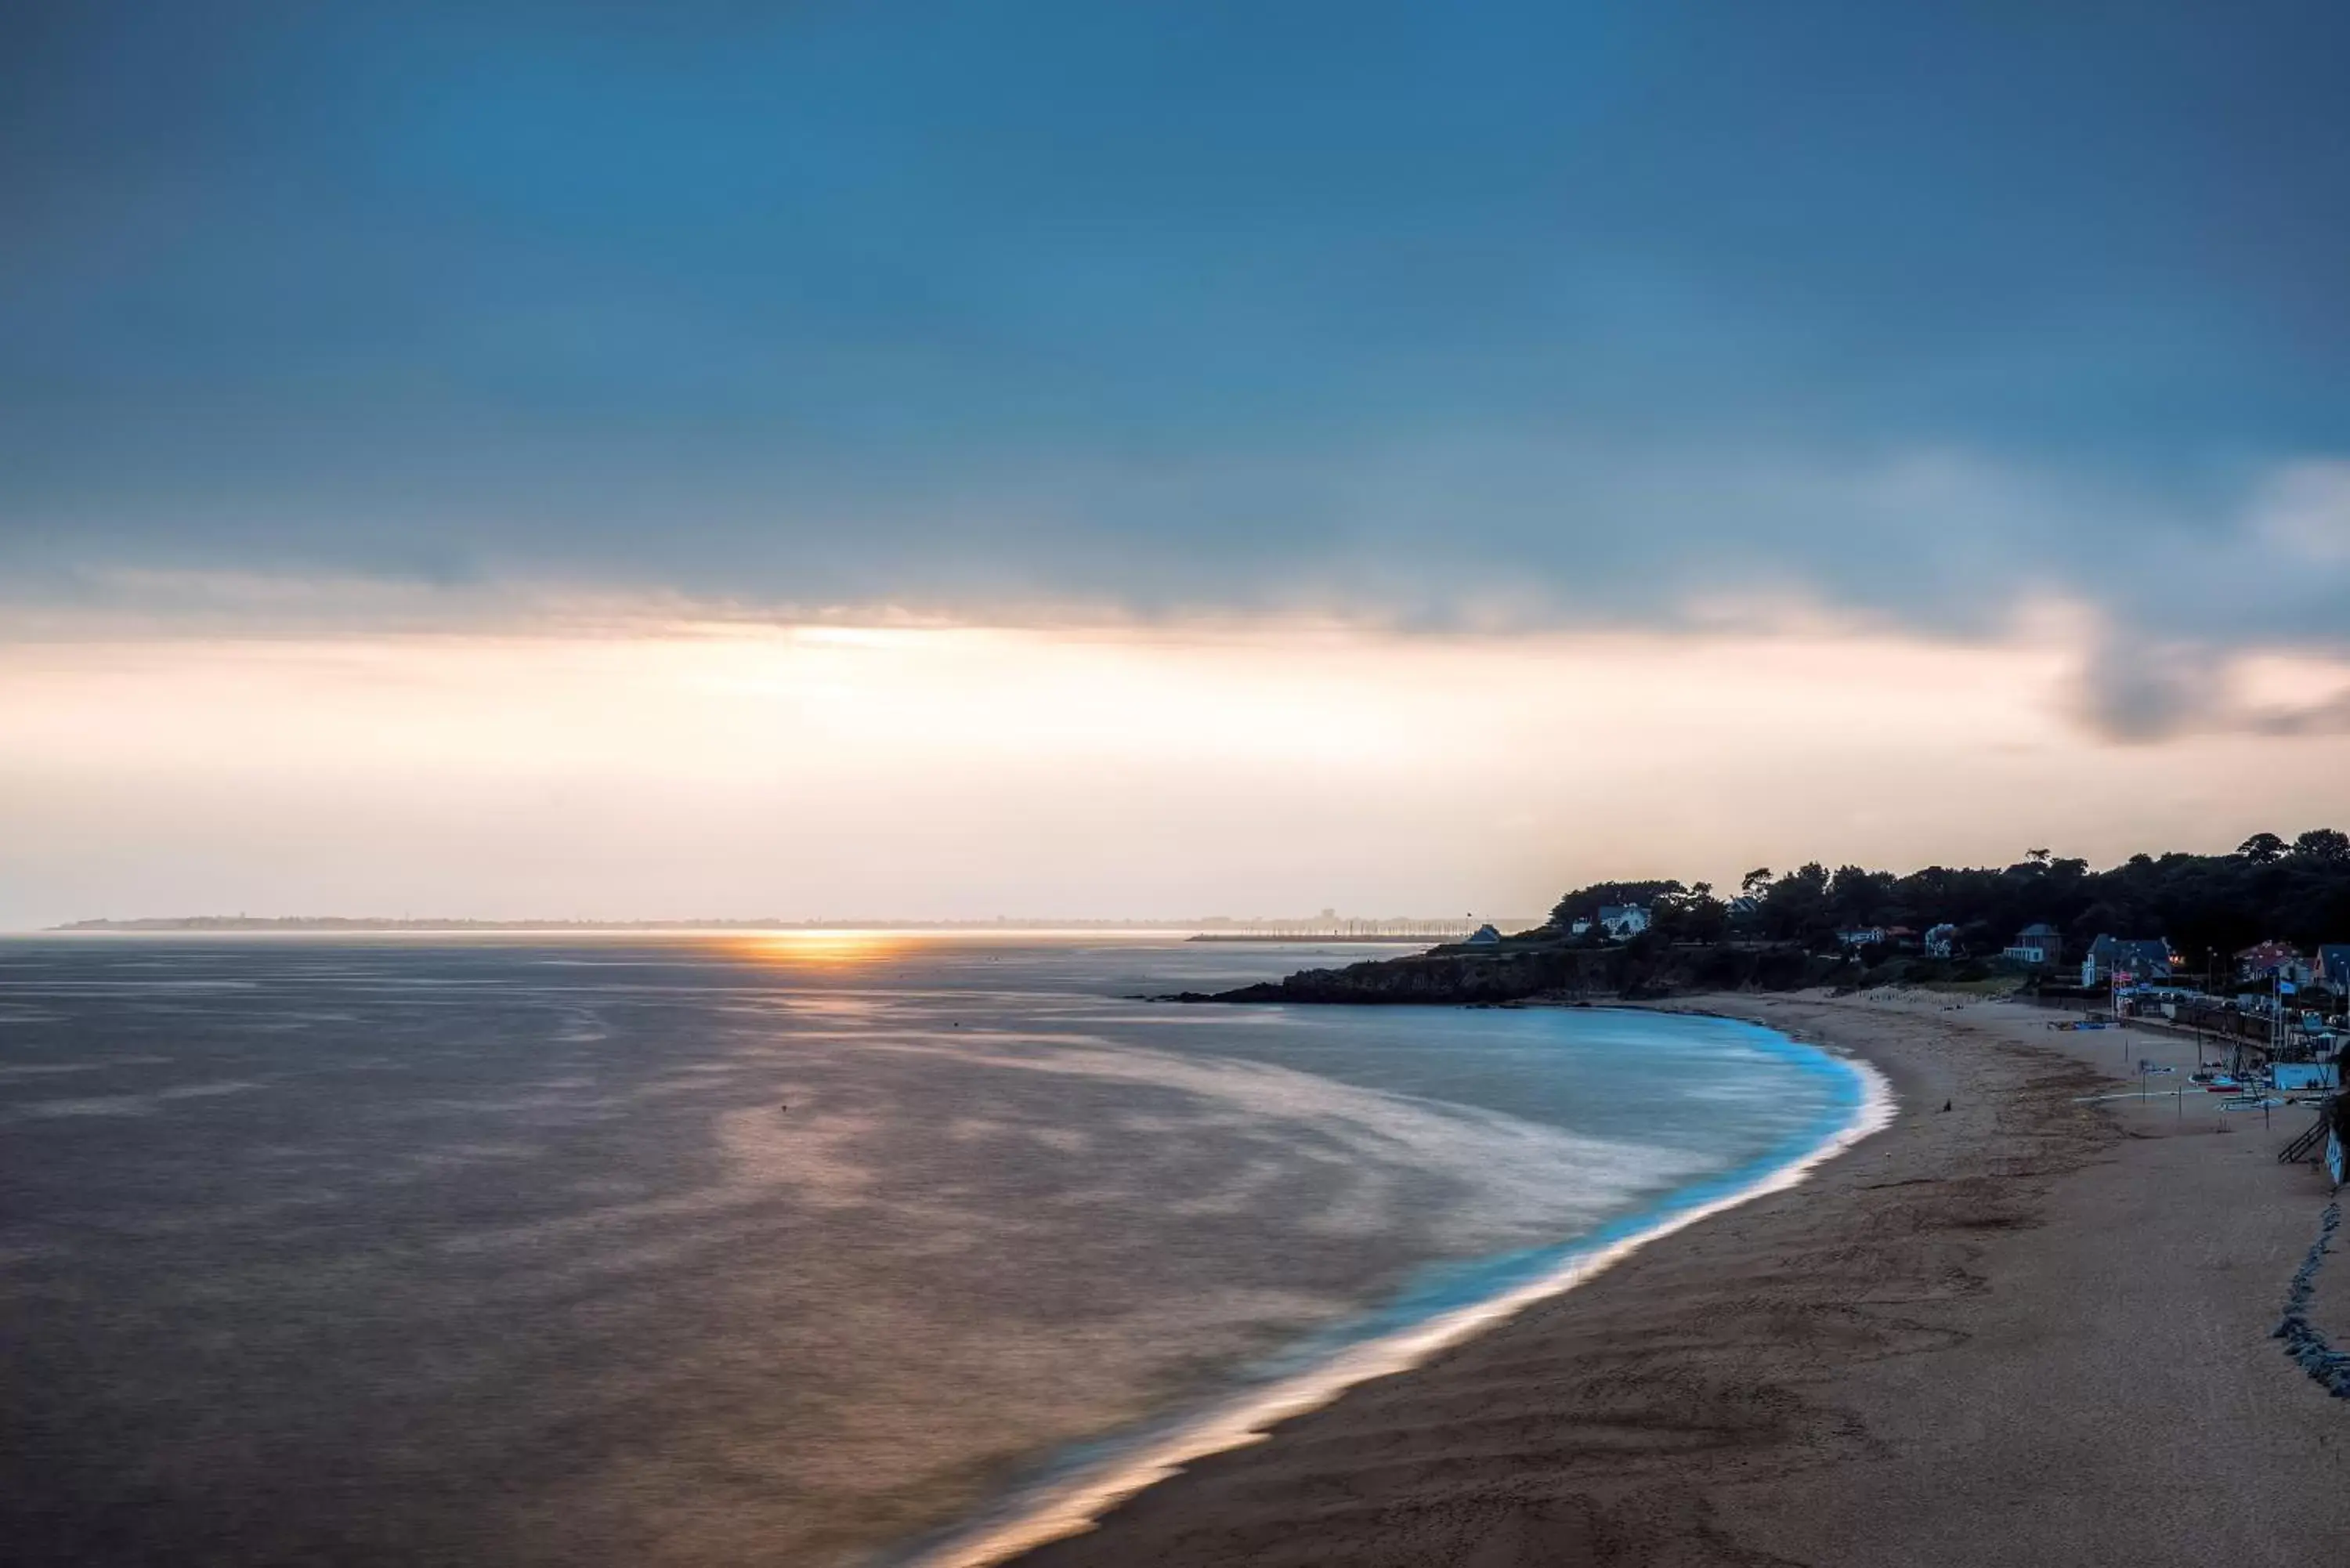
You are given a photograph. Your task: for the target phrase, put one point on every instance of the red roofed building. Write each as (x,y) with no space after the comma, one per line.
(2262,960)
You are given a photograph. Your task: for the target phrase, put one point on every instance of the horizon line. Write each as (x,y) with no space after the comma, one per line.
(1303,925)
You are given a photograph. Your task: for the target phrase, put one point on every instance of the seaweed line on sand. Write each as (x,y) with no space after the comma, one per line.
(2302,1341)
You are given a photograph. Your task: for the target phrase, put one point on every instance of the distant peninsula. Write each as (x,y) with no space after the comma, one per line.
(386,923)
(2272,909)
(1326,927)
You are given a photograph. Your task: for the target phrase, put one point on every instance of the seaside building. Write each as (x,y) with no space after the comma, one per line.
(2140,958)
(1622,922)
(1484,937)
(1863,936)
(1942,942)
(2272,960)
(2333,965)
(2039,943)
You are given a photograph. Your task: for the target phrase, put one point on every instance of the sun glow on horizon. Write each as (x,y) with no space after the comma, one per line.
(821,949)
(931,771)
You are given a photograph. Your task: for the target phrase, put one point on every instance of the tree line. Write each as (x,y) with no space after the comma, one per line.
(2207,906)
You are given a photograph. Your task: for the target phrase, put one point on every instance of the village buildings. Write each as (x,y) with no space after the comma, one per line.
(2272,960)
(2141,960)
(1617,923)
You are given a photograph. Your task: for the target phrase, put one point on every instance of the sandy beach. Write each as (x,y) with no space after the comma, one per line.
(2034,1328)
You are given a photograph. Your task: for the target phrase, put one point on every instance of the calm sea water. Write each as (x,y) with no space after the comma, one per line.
(509,1250)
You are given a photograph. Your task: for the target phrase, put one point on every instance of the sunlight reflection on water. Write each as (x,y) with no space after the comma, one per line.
(636,1250)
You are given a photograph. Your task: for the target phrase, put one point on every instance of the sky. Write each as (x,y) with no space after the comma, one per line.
(952,460)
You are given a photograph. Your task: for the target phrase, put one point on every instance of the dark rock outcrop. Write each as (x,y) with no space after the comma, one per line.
(1545,972)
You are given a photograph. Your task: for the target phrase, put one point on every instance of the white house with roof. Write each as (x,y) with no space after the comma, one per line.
(1623,921)
(1617,923)
(2039,942)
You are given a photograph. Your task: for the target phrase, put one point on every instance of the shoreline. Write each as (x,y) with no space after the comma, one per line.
(1061,1511)
(2032,1329)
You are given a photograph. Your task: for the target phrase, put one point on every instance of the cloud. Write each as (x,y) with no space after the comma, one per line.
(2331,716)
(2134,690)
(1139,312)
(1491,530)
(2137,689)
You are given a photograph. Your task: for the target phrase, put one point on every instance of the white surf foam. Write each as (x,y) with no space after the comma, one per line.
(1073,1506)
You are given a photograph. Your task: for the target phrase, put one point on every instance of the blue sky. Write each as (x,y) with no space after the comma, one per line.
(1543,313)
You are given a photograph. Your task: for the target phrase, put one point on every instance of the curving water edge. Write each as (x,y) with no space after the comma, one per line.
(1073,1504)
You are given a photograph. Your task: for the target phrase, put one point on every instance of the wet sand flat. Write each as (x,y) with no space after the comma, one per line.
(2034,1328)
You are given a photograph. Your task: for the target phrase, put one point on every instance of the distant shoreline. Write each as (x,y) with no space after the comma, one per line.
(1196,929)
(367,923)
(1412,938)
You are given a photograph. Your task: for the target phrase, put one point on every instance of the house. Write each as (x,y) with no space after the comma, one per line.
(2138,959)
(2333,965)
(2264,960)
(1484,937)
(1623,922)
(1863,936)
(2039,942)
(1617,923)
(1942,942)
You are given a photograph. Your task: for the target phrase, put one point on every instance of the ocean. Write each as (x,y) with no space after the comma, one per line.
(804,1249)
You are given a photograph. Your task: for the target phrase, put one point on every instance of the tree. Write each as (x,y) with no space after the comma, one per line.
(2261,848)
(2323,847)
(2298,893)
(1797,904)
(1695,916)
(1756,883)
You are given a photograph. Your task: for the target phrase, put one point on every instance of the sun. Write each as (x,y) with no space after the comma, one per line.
(823,950)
